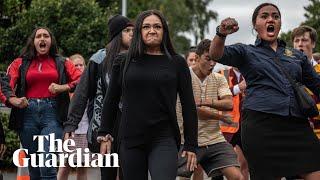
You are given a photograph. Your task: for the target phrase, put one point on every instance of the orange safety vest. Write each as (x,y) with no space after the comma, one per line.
(235,113)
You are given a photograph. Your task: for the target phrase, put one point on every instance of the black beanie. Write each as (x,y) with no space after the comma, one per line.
(116,24)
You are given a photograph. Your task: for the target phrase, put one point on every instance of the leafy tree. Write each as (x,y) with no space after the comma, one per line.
(183,16)
(312,15)
(80,26)
(200,17)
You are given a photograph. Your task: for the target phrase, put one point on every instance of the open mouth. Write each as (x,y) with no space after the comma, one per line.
(270,28)
(42,45)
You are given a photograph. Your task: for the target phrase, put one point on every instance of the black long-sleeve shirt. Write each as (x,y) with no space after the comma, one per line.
(149,99)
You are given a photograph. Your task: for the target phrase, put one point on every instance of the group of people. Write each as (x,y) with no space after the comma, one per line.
(169,115)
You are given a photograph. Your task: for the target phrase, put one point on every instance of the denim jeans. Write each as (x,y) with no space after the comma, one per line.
(40,118)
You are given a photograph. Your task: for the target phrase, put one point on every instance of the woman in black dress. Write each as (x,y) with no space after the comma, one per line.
(149,78)
(276,137)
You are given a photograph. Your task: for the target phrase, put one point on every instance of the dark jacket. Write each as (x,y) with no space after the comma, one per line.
(5,90)
(17,71)
(5,93)
(85,92)
(268,90)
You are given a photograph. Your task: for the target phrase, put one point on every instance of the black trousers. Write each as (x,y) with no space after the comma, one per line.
(159,156)
(109,173)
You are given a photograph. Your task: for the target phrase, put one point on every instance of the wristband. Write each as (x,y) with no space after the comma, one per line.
(219,34)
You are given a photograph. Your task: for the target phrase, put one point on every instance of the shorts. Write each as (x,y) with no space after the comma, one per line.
(212,158)
(234,138)
(81,142)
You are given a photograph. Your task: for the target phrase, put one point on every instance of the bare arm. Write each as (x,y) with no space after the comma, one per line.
(223,104)
(206,114)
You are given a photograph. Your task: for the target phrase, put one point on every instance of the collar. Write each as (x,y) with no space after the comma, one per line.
(204,82)
(261,42)
(313,62)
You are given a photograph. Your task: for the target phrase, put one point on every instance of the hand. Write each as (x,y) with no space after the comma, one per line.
(198,101)
(57,88)
(68,135)
(105,147)
(3,149)
(227,119)
(19,102)
(191,160)
(242,85)
(228,26)
(203,113)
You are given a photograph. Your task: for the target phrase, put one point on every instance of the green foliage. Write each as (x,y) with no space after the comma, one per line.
(312,15)
(12,140)
(313,19)
(80,26)
(200,17)
(182,15)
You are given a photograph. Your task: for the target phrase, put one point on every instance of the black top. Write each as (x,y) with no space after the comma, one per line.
(149,99)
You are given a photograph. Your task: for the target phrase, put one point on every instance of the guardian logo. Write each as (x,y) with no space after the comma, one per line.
(60,153)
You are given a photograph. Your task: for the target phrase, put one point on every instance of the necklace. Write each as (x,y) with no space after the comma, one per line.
(40,67)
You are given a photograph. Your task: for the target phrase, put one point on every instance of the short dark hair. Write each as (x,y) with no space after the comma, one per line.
(316,56)
(299,31)
(29,50)
(203,47)
(191,49)
(256,11)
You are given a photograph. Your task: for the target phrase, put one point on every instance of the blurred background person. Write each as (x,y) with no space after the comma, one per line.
(304,39)
(8,98)
(93,85)
(190,56)
(232,132)
(80,134)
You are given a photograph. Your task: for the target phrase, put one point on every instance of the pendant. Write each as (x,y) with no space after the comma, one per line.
(40,67)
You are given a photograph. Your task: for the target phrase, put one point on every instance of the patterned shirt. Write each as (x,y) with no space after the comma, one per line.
(214,86)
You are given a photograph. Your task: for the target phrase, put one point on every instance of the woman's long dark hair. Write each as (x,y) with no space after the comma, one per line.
(137,47)
(112,50)
(29,51)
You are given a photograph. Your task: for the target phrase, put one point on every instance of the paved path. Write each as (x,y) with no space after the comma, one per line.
(93,174)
